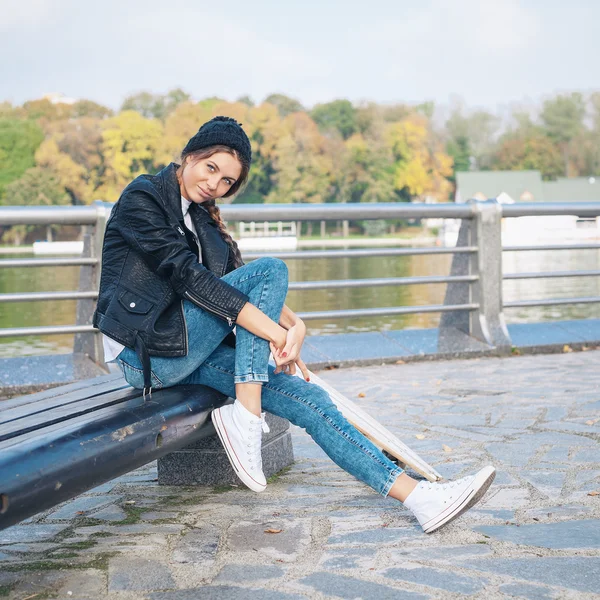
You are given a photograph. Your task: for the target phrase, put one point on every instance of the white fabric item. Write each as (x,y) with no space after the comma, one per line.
(112,348)
(240,432)
(435,504)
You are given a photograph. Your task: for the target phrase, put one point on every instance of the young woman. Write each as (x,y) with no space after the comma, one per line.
(173,288)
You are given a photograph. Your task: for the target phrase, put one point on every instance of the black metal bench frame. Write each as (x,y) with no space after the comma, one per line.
(57,444)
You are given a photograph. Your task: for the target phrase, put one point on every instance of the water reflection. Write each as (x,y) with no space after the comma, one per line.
(29,314)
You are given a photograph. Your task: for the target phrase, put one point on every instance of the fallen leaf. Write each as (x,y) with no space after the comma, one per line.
(446,448)
(419,436)
(594,493)
(273,530)
(361,395)
(400,362)
(80,512)
(591,422)
(567,348)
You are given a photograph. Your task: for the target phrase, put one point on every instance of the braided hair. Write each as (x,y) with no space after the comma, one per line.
(211,205)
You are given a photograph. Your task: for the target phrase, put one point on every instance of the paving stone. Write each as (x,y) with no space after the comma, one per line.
(556,413)
(247,536)
(559,454)
(585,476)
(439,553)
(549,483)
(30,533)
(587,456)
(198,545)
(348,558)
(111,513)
(514,454)
(565,534)
(580,573)
(507,498)
(445,580)
(88,583)
(143,528)
(81,506)
(36,547)
(558,511)
(387,535)
(504,478)
(340,586)
(248,573)
(158,515)
(138,574)
(224,592)
(523,590)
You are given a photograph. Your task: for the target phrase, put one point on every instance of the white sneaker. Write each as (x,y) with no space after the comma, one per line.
(435,504)
(240,432)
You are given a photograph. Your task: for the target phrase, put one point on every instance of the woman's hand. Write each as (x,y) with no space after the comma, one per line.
(288,357)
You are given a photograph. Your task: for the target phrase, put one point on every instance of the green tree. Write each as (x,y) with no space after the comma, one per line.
(338,115)
(562,118)
(37,186)
(531,150)
(155,106)
(285,105)
(19,139)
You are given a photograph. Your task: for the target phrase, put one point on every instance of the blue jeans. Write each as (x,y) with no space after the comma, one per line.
(215,364)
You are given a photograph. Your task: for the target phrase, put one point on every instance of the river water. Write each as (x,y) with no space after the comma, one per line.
(29,314)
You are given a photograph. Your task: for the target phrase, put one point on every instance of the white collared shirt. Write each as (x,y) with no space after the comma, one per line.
(112,349)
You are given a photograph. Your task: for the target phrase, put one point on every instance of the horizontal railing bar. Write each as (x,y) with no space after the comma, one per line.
(552,247)
(378,282)
(53,330)
(37,296)
(539,209)
(345,211)
(551,302)
(358,253)
(10,263)
(392,310)
(545,274)
(50,215)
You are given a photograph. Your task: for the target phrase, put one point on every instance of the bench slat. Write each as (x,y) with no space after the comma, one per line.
(71,400)
(85,385)
(64,413)
(43,468)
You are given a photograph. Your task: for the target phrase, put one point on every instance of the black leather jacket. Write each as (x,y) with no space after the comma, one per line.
(148,268)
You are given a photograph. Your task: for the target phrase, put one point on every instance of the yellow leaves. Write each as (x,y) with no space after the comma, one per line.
(419,436)
(594,493)
(446,448)
(361,395)
(270,530)
(592,421)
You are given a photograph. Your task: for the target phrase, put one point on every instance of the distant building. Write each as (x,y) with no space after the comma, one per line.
(509,187)
(59,98)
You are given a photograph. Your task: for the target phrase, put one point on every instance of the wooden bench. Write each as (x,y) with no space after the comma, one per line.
(62,442)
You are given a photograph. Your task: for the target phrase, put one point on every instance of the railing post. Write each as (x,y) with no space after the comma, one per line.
(487,323)
(89,279)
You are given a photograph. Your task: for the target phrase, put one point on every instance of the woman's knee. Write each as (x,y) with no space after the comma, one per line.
(274,266)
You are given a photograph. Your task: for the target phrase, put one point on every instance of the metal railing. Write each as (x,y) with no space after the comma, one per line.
(473,301)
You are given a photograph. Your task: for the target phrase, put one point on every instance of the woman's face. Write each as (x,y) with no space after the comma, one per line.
(209,178)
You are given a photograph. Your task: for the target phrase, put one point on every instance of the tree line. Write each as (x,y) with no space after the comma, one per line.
(335,152)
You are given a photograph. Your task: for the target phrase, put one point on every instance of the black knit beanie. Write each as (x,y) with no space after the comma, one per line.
(223,131)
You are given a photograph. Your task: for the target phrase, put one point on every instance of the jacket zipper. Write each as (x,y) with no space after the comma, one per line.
(185,328)
(212,309)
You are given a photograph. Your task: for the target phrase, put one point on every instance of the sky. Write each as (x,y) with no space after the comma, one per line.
(490,54)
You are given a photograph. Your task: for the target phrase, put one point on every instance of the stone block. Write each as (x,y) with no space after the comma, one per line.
(445,580)
(565,534)
(80,506)
(207,464)
(246,573)
(285,546)
(224,592)
(138,574)
(198,546)
(524,590)
(30,533)
(339,586)
(349,558)
(580,573)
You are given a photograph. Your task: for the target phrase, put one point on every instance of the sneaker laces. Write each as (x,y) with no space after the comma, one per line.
(254,445)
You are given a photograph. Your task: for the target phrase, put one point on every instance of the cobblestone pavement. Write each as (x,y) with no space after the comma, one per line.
(536,534)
